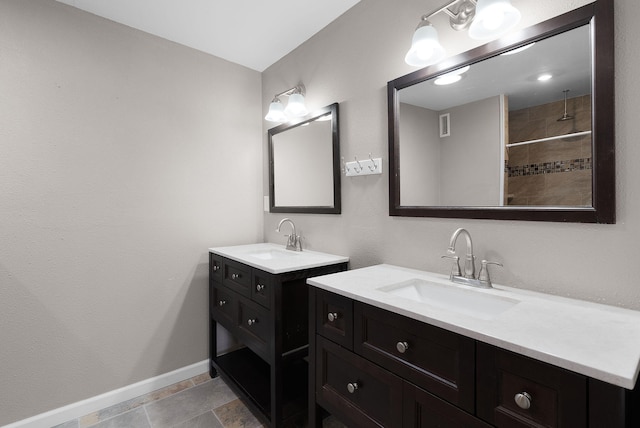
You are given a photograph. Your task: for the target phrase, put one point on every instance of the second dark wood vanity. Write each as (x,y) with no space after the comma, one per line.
(267,314)
(375,368)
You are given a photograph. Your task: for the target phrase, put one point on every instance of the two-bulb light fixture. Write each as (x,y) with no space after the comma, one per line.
(295,106)
(485,20)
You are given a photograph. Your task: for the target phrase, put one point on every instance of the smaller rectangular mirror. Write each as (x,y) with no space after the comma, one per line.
(304,165)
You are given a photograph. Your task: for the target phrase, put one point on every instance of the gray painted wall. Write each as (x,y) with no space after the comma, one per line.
(123,157)
(351,61)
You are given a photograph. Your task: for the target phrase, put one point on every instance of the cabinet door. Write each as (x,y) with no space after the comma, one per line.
(356,391)
(253,328)
(436,360)
(262,288)
(215,267)
(516,391)
(424,410)
(334,317)
(223,306)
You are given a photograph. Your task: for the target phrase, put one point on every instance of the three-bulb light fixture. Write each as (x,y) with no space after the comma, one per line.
(295,106)
(485,20)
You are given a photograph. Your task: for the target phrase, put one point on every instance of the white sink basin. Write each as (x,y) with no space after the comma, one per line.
(470,302)
(274,254)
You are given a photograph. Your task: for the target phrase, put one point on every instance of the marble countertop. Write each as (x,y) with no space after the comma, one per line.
(276,259)
(596,340)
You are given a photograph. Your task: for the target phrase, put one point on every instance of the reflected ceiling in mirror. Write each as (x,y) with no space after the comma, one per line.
(501,141)
(303,164)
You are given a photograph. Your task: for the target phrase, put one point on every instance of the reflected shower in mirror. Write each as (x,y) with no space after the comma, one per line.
(303,164)
(506,130)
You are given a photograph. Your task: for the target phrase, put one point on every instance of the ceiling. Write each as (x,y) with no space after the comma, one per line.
(253,33)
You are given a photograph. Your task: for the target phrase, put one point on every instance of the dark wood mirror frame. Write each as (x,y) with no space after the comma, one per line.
(335,145)
(600,15)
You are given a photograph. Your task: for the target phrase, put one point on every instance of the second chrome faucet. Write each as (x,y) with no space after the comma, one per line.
(294,243)
(468,277)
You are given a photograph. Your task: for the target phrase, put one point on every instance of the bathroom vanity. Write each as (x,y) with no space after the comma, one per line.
(397,347)
(259,294)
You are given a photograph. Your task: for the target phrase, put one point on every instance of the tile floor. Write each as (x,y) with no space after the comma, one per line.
(199,402)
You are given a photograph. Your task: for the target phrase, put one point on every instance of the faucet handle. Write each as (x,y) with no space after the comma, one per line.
(455,267)
(483,275)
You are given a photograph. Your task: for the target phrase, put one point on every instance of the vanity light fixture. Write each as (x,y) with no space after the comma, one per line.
(295,106)
(485,19)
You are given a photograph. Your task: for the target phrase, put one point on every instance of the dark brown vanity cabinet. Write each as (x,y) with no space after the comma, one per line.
(267,314)
(375,368)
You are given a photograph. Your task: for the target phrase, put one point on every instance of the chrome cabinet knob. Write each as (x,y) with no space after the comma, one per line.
(235,275)
(216,268)
(402,347)
(352,387)
(332,316)
(523,400)
(222,302)
(252,321)
(259,287)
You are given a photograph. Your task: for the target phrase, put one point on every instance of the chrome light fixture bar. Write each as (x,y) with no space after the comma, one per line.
(295,106)
(485,20)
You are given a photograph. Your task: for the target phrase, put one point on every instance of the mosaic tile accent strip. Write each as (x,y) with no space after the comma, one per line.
(549,167)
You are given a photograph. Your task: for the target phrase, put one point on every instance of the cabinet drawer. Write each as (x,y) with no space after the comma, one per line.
(424,410)
(261,288)
(215,267)
(334,317)
(223,306)
(437,360)
(237,277)
(557,397)
(358,392)
(253,326)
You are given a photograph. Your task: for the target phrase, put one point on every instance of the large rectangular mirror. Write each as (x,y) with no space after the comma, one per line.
(304,166)
(523,129)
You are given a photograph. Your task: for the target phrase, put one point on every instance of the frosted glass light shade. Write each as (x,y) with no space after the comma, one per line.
(295,106)
(493,19)
(425,47)
(276,112)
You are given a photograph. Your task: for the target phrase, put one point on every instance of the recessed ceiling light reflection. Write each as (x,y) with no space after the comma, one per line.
(544,77)
(518,50)
(451,77)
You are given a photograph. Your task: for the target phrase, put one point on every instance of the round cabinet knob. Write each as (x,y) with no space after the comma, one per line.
(252,321)
(216,268)
(222,302)
(523,400)
(332,316)
(402,347)
(352,387)
(259,287)
(235,275)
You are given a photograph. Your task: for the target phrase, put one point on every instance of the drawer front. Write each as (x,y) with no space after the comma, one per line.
(556,397)
(437,360)
(262,288)
(215,267)
(237,277)
(223,306)
(253,327)
(334,317)
(357,392)
(424,410)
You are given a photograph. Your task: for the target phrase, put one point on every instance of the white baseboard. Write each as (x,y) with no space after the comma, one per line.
(73,411)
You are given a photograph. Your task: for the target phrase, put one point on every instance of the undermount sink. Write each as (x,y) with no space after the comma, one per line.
(273,254)
(465,301)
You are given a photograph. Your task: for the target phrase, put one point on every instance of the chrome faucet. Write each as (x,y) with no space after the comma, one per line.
(294,242)
(483,280)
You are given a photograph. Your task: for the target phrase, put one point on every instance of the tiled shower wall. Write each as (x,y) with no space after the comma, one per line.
(556,172)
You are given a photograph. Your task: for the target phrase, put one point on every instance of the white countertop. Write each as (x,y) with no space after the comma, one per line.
(276,259)
(596,340)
